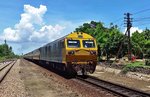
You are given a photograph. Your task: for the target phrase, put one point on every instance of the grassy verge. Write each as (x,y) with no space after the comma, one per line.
(4,58)
(134,65)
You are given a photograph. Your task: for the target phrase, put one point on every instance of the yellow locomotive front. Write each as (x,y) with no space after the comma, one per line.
(81,53)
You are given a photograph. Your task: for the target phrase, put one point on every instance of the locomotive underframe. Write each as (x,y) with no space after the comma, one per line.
(82,68)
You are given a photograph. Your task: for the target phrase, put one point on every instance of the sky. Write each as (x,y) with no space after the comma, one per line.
(29,24)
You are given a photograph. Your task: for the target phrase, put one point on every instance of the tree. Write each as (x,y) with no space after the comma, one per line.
(107,38)
(6,51)
(141,43)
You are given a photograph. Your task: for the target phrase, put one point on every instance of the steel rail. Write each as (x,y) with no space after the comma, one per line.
(7,71)
(114,88)
(5,65)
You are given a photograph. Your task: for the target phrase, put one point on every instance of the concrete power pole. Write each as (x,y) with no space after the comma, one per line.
(128,23)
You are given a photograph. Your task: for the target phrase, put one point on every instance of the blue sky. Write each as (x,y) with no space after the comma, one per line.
(60,17)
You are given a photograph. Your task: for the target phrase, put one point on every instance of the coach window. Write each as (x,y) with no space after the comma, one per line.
(73,43)
(88,43)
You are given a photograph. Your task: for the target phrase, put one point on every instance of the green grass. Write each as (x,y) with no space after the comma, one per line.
(137,63)
(134,65)
(2,59)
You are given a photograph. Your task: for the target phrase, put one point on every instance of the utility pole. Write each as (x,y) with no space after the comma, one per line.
(5,41)
(128,23)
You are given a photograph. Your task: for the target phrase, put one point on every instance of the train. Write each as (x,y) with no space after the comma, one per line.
(75,53)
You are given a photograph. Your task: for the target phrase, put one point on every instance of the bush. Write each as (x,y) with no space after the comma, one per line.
(126,69)
(147,62)
(132,67)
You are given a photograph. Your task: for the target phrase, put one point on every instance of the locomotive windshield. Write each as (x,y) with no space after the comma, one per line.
(73,43)
(88,43)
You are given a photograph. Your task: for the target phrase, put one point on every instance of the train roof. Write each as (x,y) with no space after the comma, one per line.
(72,35)
(79,35)
(62,38)
(69,36)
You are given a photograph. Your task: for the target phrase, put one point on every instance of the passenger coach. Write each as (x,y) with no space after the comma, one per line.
(74,53)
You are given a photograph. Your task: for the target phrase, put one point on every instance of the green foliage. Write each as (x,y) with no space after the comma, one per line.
(147,62)
(127,68)
(141,44)
(6,52)
(132,66)
(2,59)
(110,38)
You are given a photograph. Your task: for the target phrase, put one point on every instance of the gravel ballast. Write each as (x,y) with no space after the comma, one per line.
(130,80)
(54,85)
(12,85)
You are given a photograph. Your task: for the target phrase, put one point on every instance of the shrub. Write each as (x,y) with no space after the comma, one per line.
(125,69)
(132,67)
(147,62)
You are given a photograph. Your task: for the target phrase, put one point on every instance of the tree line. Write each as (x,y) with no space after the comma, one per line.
(110,40)
(6,52)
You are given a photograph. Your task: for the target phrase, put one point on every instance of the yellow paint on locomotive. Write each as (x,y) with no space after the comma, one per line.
(81,58)
(80,36)
(82,54)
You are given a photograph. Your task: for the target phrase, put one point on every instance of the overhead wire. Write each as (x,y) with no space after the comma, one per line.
(136,20)
(141,11)
(141,21)
(142,24)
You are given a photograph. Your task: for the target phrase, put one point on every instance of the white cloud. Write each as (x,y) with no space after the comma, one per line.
(32,14)
(47,33)
(31,28)
(134,29)
(26,29)
(31,31)
(10,34)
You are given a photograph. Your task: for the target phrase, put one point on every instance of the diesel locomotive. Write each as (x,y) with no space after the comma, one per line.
(74,53)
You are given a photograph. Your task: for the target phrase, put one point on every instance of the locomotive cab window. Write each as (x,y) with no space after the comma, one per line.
(73,43)
(88,43)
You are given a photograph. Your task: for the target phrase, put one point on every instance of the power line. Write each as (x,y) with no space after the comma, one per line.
(145,20)
(136,19)
(141,19)
(141,11)
(142,24)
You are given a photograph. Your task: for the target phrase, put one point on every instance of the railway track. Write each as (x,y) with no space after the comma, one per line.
(2,66)
(4,69)
(120,90)
(112,88)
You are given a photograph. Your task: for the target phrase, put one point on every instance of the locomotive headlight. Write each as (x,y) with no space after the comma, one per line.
(93,52)
(71,52)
